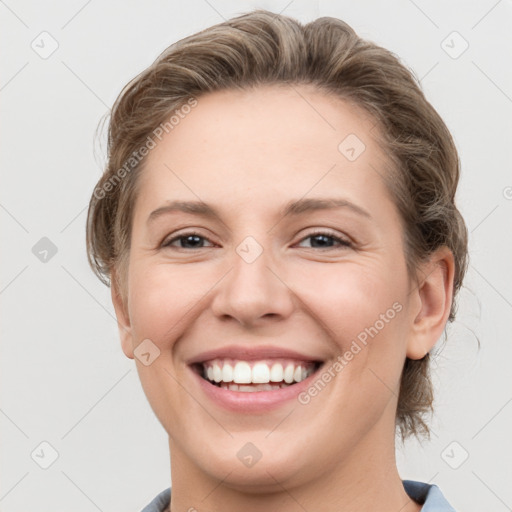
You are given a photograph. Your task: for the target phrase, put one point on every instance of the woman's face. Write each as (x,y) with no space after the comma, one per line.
(300,264)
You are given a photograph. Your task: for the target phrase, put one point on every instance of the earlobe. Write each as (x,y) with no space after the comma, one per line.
(123,319)
(435,293)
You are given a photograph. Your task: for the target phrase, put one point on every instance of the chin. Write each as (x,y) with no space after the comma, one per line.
(258,470)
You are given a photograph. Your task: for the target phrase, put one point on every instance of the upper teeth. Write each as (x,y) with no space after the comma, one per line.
(256,372)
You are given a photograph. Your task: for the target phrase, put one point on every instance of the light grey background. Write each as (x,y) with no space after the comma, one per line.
(65,380)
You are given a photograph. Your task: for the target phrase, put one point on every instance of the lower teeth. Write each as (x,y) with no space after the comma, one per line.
(251,388)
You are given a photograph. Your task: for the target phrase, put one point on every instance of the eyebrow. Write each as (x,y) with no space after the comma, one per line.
(298,207)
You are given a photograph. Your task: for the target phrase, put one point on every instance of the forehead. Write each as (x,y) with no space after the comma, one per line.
(272,140)
(272,117)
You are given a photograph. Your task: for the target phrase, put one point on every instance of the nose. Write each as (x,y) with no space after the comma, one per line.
(253,293)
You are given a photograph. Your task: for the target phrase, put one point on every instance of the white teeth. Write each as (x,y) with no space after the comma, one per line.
(260,373)
(217,373)
(288,374)
(255,373)
(276,373)
(227,373)
(242,373)
(251,388)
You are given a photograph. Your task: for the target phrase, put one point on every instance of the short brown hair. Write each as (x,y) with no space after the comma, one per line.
(259,48)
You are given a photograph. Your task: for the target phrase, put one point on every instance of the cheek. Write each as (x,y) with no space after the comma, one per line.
(360,308)
(347,297)
(164,299)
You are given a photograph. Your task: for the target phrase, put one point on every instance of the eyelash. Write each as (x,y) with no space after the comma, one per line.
(343,242)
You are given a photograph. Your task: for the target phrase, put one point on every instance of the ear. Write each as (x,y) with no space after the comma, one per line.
(434,294)
(123,319)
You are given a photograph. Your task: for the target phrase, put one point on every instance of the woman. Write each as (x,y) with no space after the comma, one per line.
(278,227)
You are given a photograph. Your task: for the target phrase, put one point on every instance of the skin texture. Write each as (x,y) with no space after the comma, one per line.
(248,154)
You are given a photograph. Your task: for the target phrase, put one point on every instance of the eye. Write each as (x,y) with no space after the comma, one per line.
(190,240)
(320,240)
(324,239)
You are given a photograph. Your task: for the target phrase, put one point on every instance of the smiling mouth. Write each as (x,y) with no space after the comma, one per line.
(254,376)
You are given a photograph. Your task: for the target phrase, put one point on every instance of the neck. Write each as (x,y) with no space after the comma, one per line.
(350,485)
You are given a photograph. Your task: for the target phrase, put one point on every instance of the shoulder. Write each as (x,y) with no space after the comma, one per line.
(429,495)
(159,502)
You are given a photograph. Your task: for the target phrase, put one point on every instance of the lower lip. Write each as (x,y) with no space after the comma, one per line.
(252,401)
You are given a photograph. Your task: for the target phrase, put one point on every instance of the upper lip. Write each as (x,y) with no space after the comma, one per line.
(251,353)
